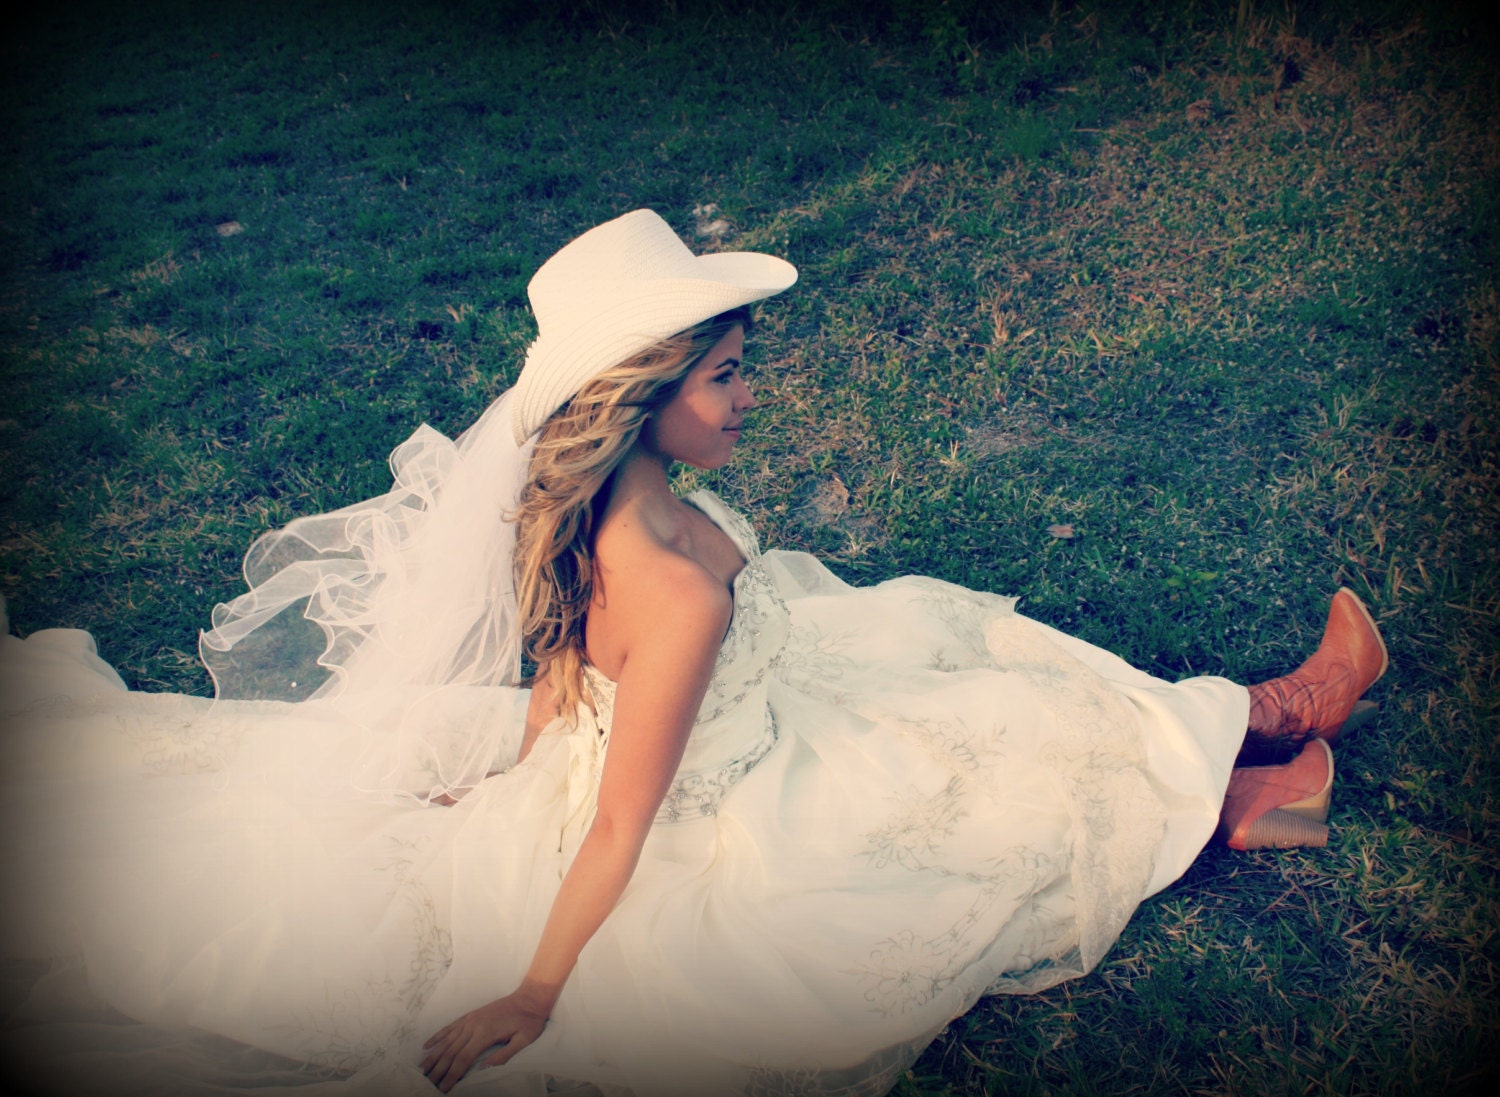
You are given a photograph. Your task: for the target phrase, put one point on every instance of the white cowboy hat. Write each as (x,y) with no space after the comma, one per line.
(617,290)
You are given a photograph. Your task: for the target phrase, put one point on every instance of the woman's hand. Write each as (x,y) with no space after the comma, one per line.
(512,1022)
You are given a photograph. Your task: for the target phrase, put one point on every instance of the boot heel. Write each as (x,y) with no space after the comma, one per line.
(1278,807)
(1281,828)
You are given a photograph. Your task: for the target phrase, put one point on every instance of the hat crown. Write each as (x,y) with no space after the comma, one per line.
(637,247)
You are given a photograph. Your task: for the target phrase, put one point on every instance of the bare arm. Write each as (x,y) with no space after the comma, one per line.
(676,617)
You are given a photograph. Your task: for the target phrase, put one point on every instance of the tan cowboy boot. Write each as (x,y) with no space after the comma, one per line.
(1319,697)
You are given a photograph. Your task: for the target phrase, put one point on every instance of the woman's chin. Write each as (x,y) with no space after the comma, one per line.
(708,462)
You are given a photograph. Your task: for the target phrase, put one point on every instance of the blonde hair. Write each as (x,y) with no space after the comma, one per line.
(577,453)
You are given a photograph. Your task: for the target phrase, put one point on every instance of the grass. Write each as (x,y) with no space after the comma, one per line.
(1214,286)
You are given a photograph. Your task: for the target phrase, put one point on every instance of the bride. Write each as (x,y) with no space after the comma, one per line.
(746,829)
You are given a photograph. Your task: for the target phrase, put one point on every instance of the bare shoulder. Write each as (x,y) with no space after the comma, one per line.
(640,573)
(648,593)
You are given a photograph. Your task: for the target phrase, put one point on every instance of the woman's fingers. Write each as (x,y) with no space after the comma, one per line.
(447,1063)
(452,1051)
(438,1065)
(436,1045)
(504,1054)
(449,1075)
(451,1058)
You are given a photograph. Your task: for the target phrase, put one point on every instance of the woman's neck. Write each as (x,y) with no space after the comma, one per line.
(643,507)
(642,477)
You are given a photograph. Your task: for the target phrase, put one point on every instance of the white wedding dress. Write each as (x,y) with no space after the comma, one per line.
(895,799)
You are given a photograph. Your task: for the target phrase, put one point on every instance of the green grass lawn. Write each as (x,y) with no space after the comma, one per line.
(1168,318)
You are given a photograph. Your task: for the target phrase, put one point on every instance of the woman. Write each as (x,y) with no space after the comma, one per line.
(750,830)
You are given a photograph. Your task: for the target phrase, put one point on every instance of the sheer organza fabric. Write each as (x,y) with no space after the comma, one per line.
(396,606)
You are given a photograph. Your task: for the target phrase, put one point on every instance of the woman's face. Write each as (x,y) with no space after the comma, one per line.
(700,425)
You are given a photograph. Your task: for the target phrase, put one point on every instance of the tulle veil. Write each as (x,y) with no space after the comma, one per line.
(397,614)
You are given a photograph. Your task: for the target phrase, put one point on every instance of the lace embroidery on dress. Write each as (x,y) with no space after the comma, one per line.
(754,598)
(699,794)
(692,795)
(194,743)
(874,1078)
(171,733)
(360,1024)
(1097,760)
(910,968)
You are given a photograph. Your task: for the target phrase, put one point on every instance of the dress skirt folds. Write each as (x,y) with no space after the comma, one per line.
(895,799)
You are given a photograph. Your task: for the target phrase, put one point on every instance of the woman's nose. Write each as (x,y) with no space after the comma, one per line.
(744,399)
